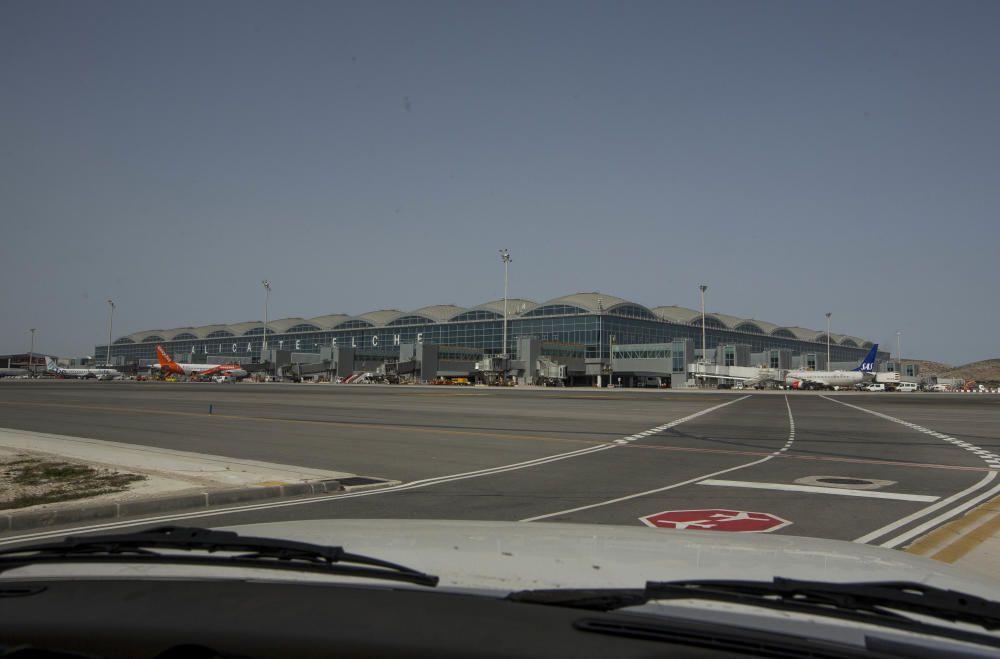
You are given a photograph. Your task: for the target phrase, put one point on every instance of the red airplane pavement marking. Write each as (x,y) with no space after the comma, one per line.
(716,519)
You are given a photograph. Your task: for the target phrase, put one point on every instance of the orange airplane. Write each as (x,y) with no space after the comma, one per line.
(169,366)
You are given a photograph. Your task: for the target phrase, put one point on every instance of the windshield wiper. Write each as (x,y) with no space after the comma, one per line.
(874,602)
(204,544)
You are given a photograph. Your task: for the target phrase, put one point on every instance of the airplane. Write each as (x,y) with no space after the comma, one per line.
(168,366)
(833,379)
(13,372)
(99,373)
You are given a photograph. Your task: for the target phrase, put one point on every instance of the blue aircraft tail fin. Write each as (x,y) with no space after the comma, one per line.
(867,365)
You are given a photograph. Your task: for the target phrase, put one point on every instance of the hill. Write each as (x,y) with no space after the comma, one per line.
(929,368)
(986,370)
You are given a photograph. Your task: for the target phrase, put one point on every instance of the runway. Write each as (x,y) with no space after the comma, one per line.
(879,468)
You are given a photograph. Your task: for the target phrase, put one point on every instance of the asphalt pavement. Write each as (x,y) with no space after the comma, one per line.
(878,468)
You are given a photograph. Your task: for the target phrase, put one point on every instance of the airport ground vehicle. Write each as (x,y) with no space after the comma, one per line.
(875,386)
(907,386)
(484,589)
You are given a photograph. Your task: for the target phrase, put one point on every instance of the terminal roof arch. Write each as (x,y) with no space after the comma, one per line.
(792,332)
(140,337)
(730,321)
(246,328)
(589,303)
(282,325)
(304,327)
(711,320)
(478,314)
(184,336)
(353,323)
(439,313)
(515,306)
(755,326)
(329,321)
(592,302)
(380,318)
(206,331)
(411,319)
(678,315)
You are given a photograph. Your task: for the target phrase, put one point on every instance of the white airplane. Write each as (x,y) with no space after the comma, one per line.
(99,373)
(832,379)
(168,366)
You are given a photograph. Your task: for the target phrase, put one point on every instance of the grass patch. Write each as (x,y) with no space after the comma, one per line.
(30,482)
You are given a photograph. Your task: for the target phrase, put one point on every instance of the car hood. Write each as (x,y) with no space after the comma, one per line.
(517,555)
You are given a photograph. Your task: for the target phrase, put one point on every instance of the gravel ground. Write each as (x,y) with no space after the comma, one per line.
(30,480)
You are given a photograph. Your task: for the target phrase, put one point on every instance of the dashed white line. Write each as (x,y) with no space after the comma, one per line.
(413,485)
(989,457)
(673,485)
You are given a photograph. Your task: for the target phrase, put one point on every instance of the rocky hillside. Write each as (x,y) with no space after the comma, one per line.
(929,368)
(987,370)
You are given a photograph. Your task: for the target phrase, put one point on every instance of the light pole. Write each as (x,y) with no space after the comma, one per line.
(505,257)
(600,335)
(111,319)
(611,359)
(828,314)
(267,301)
(899,355)
(703,288)
(31,354)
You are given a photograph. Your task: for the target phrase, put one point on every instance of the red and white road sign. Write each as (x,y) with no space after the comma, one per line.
(716,519)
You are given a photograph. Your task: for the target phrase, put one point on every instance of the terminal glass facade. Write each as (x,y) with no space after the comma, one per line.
(478,331)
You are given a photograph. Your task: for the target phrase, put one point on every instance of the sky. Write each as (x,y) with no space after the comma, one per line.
(797,157)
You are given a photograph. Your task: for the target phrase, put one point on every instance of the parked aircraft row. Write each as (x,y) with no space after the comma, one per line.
(166,366)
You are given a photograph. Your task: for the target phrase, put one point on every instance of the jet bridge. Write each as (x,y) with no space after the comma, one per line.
(748,375)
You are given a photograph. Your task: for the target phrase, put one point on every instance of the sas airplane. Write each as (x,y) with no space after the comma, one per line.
(168,366)
(832,379)
(99,373)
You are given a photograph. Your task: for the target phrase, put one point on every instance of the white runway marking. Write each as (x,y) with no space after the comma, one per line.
(791,438)
(991,459)
(413,485)
(815,489)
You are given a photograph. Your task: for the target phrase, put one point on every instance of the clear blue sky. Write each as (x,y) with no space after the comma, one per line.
(798,157)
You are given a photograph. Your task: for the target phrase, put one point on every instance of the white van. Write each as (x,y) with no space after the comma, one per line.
(875,386)
(906,386)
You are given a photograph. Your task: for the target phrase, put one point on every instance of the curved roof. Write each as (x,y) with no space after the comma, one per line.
(439,313)
(592,302)
(800,333)
(763,325)
(282,325)
(729,321)
(380,317)
(139,337)
(329,321)
(515,305)
(676,314)
(205,330)
(711,320)
(239,329)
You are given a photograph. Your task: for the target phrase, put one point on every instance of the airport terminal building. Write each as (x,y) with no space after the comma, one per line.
(580,330)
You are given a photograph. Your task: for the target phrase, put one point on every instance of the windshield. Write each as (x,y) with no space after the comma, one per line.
(718,277)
